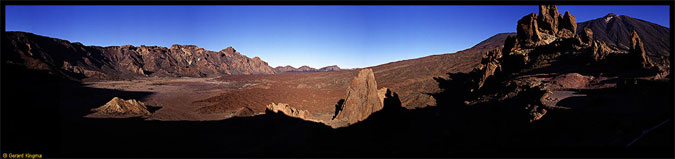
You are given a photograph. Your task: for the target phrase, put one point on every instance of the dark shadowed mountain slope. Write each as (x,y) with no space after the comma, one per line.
(77,61)
(615,30)
(413,79)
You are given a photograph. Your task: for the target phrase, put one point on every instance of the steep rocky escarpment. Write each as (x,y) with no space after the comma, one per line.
(77,61)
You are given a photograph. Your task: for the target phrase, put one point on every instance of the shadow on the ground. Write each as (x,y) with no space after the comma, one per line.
(43,114)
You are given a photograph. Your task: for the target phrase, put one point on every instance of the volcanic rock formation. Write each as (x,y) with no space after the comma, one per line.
(547,45)
(362,98)
(120,108)
(637,50)
(289,111)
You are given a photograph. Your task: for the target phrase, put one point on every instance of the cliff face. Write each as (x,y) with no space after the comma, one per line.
(77,61)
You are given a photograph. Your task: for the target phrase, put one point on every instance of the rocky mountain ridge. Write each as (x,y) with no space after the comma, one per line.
(76,61)
(305,68)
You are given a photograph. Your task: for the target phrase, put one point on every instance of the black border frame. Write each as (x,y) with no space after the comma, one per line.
(670,3)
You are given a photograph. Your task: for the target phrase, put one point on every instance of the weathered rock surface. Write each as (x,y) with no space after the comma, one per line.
(637,51)
(568,26)
(548,19)
(289,111)
(528,30)
(120,108)
(362,98)
(489,65)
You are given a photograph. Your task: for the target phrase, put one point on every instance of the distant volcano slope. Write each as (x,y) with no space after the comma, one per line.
(76,61)
(615,30)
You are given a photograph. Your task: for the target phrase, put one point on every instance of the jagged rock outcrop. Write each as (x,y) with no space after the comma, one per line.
(567,26)
(637,52)
(362,98)
(289,111)
(382,93)
(571,80)
(120,108)
(124,62)
(528,30)
(489,65)
(551,22)
(548,19)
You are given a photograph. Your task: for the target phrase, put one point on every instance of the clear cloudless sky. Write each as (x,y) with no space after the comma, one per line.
(317,36)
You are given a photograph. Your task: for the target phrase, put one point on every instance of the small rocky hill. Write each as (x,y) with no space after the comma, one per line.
(120,108)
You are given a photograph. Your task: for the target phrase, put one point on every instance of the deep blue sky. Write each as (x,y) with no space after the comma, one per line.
(318,36)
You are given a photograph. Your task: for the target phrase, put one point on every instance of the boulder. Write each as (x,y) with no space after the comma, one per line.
(571,81)
(362,98)
(289,111)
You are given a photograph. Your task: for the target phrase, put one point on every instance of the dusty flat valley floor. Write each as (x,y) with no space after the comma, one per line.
(199,99)
(175,96)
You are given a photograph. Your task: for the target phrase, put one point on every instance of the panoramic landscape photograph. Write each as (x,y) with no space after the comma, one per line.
(195,81)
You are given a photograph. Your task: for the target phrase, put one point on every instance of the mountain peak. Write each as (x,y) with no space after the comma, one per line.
(610,16)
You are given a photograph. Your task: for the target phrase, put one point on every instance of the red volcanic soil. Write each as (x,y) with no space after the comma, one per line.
(317,92)
(413,79)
